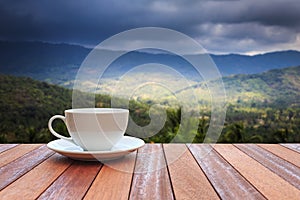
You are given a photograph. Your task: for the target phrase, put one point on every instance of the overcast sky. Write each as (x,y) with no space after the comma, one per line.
(220,26)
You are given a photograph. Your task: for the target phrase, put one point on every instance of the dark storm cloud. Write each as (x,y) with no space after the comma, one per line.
(59,20)
(267,12)
(242,25)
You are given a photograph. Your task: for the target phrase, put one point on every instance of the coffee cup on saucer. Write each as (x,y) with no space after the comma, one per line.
(93,129)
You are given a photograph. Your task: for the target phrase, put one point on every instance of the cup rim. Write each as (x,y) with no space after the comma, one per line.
(97,110)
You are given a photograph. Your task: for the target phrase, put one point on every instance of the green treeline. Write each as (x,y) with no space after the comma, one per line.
(26,106)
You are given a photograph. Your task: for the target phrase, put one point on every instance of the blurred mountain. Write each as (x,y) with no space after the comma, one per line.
(277,87)
(243,64)
(54,63)
(59,63)
(27,104)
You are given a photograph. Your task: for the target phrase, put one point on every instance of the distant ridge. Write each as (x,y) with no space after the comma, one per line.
(59,63)
(244,64)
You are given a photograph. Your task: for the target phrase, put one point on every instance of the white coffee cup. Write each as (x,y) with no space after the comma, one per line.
(93,129)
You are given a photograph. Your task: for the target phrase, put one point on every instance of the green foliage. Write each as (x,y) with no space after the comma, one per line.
(25,107)
(261,108)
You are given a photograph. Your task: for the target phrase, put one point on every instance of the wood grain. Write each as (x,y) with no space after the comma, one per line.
(32,184)
(151,179)
(22,165)
(294,147)
(4,147)
(268,183)
(74,182)
(226,180)
(226,171)
(283,152)
(282,168)
(188,180)
(114,179)
(16,152)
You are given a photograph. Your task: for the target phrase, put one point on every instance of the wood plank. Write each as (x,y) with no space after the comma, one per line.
(4,147)
(114,179)
(282,168)
(74,182)
(16,152)
(22,165)
(283,152)
(268,183)
(188,180)
(32,184)
(226,180)
(294,147)
(151,178)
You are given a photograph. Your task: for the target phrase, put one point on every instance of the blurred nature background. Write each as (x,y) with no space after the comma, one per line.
(255,45)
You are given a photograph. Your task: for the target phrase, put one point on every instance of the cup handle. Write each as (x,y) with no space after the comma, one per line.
(53,131)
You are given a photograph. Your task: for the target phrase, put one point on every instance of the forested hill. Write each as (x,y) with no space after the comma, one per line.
(263,107)
(25,107)
(278,87)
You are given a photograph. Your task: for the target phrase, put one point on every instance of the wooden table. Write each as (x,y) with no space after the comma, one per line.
(239,171)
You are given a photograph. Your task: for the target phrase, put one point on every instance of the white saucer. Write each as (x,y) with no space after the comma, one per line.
(125,146)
